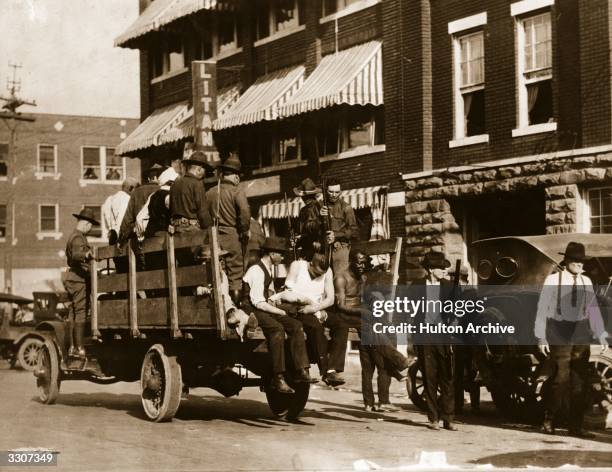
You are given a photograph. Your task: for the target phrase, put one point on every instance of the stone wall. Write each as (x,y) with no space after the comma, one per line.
(430,225)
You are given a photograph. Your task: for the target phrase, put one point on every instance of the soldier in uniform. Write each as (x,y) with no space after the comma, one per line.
(188,198)
(76,280)
(310,230)
(227,204)
(343,226)
(568,316)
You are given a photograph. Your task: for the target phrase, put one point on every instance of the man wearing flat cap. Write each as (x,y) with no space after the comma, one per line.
(76,281)
(227,205)
(567,319)
(435,354)
(138,198)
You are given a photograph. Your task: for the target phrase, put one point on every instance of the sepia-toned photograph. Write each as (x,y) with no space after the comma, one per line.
(318,235)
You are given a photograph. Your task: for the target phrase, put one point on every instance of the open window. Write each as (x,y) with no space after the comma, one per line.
(4,158)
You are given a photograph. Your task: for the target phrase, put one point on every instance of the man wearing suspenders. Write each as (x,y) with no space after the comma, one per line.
(567,318)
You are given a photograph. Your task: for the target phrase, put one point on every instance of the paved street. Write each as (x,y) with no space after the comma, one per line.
(102,428)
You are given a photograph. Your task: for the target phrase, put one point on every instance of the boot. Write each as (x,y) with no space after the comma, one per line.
(333,379)
(79,334)
(547,427)
(303,376)
(70,336)
(450,426)
(280,385)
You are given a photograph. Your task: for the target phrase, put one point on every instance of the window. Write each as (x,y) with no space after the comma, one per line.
(4,157)
(470,104)
(328,134)
(363,127)
(96,231)
(100,164)
(2,221)
(534,39)
(285,15)
(600,207)
(228,31)
(274,16)
(333,6)
(48,219)
(169,56)
(47,159)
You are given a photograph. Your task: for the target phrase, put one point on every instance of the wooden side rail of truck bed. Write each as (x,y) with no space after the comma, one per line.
(117,300)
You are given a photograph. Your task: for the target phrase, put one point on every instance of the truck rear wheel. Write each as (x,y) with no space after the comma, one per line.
(48,373)
(161,383)
(27,354)
(288,406)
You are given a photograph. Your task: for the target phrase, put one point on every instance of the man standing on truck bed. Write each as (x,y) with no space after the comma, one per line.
(188,198)
(226,203)
(76,280)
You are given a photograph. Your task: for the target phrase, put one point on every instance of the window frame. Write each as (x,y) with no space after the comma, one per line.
(3,238)
(39,173)
(6,161)
(523,126)
(42,234)
(103,159)
(273,31)
(103,231)
(587,206)
(163,49)
(342,9)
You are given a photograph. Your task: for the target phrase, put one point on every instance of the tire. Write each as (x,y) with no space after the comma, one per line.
(27,354)
(161,383)
(602,365)
(416,387)
(48,373)
(288,406)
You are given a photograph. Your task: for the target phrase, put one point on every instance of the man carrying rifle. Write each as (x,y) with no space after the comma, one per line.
(341,226)
(310,229)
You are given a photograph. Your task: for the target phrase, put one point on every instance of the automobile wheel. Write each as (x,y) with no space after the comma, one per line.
(416,387)
(602,365)
(27,354)
(48,373)
(288,406)
(161,383)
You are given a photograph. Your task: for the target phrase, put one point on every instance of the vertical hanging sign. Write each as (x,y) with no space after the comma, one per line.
(204,77)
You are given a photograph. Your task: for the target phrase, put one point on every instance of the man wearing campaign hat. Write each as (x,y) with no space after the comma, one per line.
(76,281)
(138,198)
(310,230)
(188,198)
(568,316)
(227,207)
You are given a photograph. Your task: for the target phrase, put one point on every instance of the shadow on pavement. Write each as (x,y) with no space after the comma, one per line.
(549,458)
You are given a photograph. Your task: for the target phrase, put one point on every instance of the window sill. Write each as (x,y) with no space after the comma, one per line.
(41,175)
(355,7)
(534,129)
(227,53)
(54,235)
(85,182)
(278,35)
(468,141)
(168,75)
(358,151)
(281,166)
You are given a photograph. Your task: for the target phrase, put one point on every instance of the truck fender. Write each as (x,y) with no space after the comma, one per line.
(54,331)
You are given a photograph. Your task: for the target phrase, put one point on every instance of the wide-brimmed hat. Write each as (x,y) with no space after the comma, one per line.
(575,252)
(307,187)
(435,260)
(275,244)
(167,176)
(86,214)
(232,164)
(155,169)
(197,158)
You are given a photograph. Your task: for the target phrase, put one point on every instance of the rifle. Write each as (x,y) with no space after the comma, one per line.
(326,222)
(291,232)
(216,219)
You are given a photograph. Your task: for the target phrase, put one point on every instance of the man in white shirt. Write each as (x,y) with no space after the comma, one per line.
(273,319)
(567,318)
(114,208)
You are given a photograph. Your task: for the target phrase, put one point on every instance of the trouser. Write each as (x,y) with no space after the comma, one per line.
(274,328)
(371,359)
(464,369)
(437,365)
(340,257)
(78,294)
(338,325)
(229,241)
(316,341)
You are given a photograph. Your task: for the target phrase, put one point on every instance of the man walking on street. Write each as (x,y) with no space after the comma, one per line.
(114,209)
(227,204)
(568,315)
(343,226)
(77,280)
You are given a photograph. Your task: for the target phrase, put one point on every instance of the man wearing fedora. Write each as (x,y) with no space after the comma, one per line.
(435,353)
(226,204)
(273,319)
(138,198)
(76,281)
(310,234)
(188,198)
(568,317)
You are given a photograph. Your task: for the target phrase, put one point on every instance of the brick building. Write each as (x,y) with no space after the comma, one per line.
(520,103)
(299,93)
(63,163)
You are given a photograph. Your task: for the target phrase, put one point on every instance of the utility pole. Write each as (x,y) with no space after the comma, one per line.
(11,118)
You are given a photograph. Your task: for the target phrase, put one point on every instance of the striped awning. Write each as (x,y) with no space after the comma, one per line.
(351,77)
(262,100)
(152,130)
(358,198)
(162,12)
